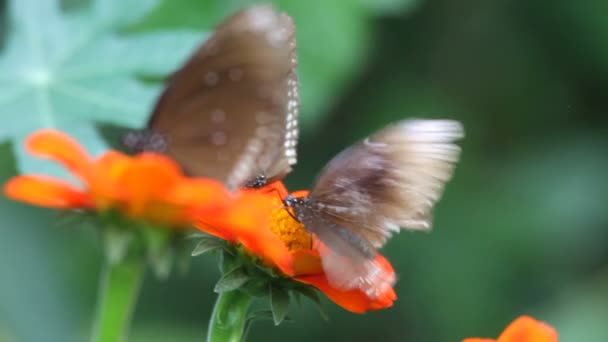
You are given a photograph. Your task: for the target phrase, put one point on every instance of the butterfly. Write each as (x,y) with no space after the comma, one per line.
(231,111)
(390,180)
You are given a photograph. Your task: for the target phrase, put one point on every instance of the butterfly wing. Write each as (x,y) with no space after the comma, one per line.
(390,180)
(348,259)
(230,112)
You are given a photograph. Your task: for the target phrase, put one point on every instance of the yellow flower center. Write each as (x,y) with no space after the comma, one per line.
(290,230)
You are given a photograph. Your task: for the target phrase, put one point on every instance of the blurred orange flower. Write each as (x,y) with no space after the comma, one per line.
(147,186)
(523,329)
(286,245)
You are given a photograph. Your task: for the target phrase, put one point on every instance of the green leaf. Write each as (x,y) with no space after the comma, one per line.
(75,219)
(197,235)
(162,264)
(228,261)
(67,69)
(116,244)
(263,315)
(311,294)
(257,286)
(207,244)
(279,304)
(257,316)
(231,280)
(296,295)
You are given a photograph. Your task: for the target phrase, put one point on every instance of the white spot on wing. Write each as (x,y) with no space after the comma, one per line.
(211,78)
(219,138)
(218,116)
(235,74)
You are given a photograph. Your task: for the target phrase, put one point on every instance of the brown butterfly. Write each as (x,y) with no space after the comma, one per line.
(369,191)
(230,112)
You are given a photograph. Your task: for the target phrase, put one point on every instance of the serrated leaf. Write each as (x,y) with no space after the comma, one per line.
(227,261)
(263,314)
(257,316)
(207,244)
(296,295)
(74,219)
(314,297)
(197,235)
(279,304)
(231,280)
(256,286)
(65,70)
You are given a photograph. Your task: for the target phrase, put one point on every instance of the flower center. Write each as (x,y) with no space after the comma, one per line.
(290,230)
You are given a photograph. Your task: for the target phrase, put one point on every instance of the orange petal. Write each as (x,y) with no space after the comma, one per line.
(192,198)
(306,262)
(46,192)
(527,329)
(103,181)
(246,221)
(280,190)
(112,164)
(300,193)
(147,179)
(351,300)
(354,300)
(205,194)
(52,144)
(275,187)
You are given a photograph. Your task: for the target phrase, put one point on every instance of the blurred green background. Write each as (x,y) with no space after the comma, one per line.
(522,228)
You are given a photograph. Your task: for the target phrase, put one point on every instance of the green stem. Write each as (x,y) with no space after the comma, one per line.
(229,316)
(118,290)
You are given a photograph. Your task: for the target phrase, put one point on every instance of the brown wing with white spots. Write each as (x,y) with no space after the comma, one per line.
(369,191)
(231,111)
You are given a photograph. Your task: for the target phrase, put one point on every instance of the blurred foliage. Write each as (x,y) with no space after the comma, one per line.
(523,227)
(66,69)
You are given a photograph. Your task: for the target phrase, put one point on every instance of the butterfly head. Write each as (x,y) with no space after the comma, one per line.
(299,205)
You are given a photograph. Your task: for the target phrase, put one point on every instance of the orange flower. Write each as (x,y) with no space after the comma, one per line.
(286,245)
(523,329)
(147,186)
